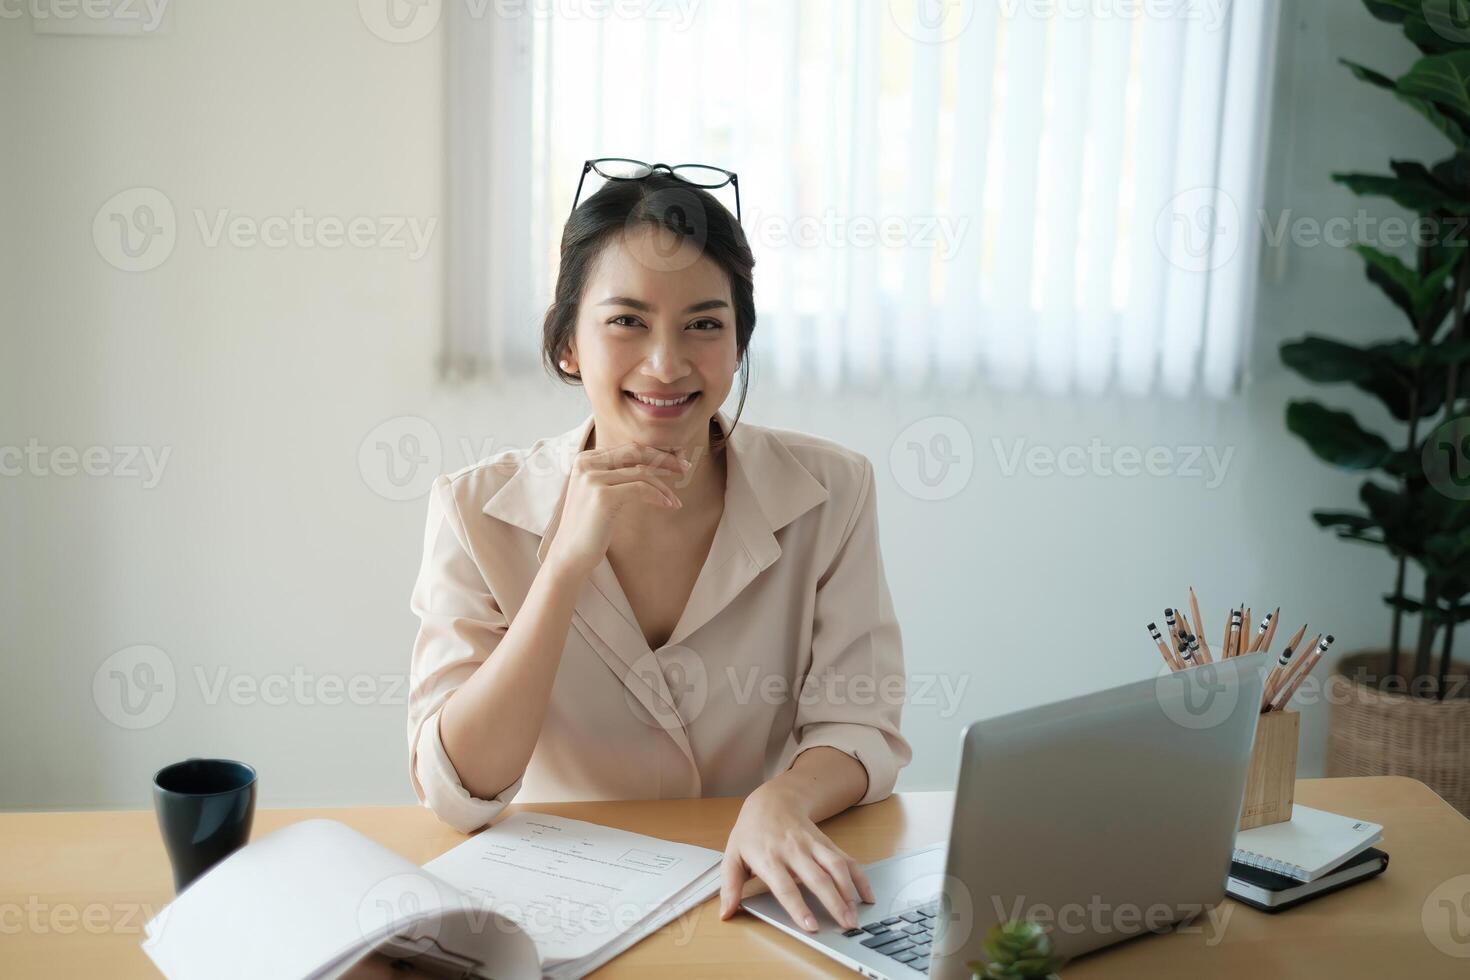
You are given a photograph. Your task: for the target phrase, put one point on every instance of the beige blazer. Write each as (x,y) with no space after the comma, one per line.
(788,641)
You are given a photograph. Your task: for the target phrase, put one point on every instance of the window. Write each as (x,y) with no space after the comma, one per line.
(1007,192)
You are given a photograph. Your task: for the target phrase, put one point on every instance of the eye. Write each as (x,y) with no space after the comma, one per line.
(628,317)
(706,323)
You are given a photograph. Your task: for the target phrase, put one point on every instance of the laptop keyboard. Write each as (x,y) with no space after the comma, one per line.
(907,937)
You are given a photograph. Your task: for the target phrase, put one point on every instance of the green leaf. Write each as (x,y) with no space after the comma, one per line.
(1416,196)
(1451,129)
(1344,519)
(1335,437)
(1441,78)
(1394,11)
(1328,361)
(1399,282)
(1404,602)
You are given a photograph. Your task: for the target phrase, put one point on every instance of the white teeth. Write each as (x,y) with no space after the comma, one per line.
(661,402)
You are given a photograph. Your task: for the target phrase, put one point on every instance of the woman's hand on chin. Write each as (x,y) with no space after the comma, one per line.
(775,840)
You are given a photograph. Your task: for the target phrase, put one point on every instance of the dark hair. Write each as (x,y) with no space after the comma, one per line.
(659,199)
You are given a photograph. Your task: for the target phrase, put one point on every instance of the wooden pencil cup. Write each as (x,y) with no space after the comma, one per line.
(1270,783)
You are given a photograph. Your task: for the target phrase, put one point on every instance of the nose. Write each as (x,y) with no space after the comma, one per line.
(666,362)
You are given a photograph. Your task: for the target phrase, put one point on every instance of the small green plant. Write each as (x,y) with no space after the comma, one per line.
(1017,950)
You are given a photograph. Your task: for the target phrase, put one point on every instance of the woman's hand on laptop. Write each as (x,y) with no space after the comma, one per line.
(776,839)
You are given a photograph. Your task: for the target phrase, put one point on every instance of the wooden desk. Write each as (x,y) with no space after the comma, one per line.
(76,889)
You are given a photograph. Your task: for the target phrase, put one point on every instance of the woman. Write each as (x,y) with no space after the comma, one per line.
(662,603)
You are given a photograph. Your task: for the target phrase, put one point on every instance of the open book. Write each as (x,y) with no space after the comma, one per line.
(532,896)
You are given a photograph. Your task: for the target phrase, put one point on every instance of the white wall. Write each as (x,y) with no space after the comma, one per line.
(264,550)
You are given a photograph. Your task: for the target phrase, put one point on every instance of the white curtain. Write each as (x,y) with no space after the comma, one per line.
(1050,193)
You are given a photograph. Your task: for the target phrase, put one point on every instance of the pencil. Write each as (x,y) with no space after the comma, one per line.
(1225,640)
(1192,652)
(1158,638)
(1172,625)
(1292,645)
(1284,698)
(1232,638)
(1242,644)
(1186,631)
(1260,634)
(1186,656)
(1271,633)
(1295,670)
(1274,678)
(1199,625)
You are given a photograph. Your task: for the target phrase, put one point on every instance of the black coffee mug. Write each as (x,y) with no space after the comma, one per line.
(205,807)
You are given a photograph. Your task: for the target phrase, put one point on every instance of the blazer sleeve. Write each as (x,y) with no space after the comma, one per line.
(460,624)
(857,658)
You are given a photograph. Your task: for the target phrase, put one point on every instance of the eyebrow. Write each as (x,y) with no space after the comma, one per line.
(638,304)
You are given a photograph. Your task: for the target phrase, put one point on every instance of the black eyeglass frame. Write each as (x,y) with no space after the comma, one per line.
(588,166)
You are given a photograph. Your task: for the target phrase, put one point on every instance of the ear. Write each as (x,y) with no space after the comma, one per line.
(568,360)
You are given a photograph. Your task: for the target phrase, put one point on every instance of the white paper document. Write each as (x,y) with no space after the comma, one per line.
(581,891)
(533,896)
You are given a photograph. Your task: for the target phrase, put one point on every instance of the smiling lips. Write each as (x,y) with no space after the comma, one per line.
(662,405)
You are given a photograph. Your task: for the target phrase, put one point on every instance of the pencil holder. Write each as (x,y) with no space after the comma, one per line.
(1270,783)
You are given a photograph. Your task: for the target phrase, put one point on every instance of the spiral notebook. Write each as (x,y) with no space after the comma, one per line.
(1310,844)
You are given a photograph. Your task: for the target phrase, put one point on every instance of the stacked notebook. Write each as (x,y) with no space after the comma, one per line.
(1283,864)
(533,896)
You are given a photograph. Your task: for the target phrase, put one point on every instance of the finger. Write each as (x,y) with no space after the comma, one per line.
(820,883)
(643,492)
(835,863)
(732,880)
(632,454)
(860,878)
(639,474)
(779,881)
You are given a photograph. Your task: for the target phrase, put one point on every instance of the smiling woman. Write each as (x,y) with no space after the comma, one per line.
(595,608)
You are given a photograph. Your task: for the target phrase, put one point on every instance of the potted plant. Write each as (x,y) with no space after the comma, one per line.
(1016,950)
(1398,711)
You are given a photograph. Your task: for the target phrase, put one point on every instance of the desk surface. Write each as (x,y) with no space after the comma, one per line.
(76,889)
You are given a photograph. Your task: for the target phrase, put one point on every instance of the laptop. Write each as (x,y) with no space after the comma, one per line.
(1100,818)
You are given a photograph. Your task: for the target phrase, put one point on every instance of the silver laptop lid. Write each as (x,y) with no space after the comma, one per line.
(1101,817)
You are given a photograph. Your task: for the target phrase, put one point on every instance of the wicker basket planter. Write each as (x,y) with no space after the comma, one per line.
(1376,733)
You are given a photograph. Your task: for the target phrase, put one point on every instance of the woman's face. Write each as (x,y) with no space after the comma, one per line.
(655,340)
